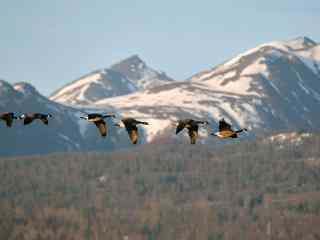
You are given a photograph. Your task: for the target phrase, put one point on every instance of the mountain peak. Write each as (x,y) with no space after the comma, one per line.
(5,88)
(4,83)
(125,77)
(139,73)
(305,39)
(130,64)
(25,88)
(134,57)
(301,42)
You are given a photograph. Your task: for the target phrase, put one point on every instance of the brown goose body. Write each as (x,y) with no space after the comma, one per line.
(226,131)
(130,124)
(31,116)
(98,120)
(8,118)
(192,126)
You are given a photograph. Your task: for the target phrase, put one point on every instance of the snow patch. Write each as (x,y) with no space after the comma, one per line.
(274,87)
(311,58)
(86,80)
(67,139)
(258,67)
(288,138)
(155,127)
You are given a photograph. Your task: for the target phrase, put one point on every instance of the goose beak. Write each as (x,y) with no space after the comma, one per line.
(174,124)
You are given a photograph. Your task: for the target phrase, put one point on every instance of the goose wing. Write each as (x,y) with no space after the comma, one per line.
(94,116)
(8,121)
(101,125)
(181,126)
(27,120)
(193,134)
(7,117)
(133,134)
(224,126)
(44,120)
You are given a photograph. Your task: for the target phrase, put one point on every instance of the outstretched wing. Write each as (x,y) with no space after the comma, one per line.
(8,121)
(193,134)
(133,134)
(44,120)
(7,117)
(27,120)
(223,125)
(181,126)
(101,125)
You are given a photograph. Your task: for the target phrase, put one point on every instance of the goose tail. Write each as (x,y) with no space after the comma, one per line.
(242,130)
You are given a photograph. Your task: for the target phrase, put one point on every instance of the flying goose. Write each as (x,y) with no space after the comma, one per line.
(8,118)
(98,120)
(192,126)
(226,131)
(130,124)
(29,117)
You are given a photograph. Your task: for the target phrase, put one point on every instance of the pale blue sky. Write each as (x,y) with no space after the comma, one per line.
(51,42)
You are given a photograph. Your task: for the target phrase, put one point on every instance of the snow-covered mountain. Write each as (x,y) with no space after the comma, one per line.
(61,135)
(127,76)
(66,132)
(273,86)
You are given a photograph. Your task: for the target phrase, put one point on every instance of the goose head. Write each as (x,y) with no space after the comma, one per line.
(119,125)
(85,117)
(22,116)
(174,123)
(216,134)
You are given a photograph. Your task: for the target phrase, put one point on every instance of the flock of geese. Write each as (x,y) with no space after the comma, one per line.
(225,129)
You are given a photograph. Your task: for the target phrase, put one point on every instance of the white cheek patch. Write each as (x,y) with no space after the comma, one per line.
(218,134)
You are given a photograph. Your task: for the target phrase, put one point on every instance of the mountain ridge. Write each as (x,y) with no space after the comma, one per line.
(127,76)
(66,132)
(274,86)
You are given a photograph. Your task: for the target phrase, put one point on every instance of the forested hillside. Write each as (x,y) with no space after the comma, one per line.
(262,189)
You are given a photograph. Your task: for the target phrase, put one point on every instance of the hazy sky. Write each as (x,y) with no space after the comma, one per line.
(51,42)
